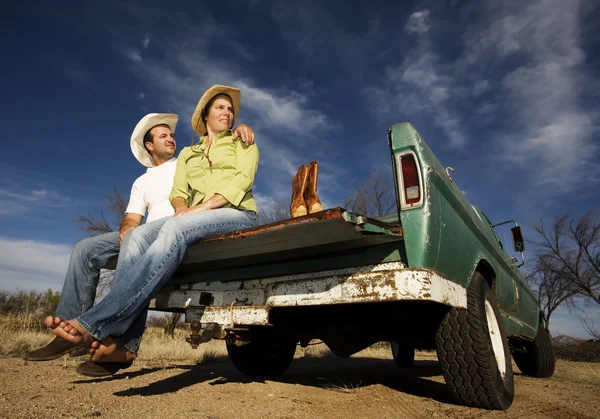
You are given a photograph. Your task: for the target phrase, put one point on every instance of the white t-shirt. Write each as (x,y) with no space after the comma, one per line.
(151,191)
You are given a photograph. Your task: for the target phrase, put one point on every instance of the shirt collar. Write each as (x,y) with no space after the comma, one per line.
(159,166)
(220,135)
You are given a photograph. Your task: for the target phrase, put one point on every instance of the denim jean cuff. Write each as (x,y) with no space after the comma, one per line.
(97,335)
(129,346)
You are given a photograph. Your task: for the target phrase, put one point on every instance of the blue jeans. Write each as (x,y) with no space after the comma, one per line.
(81,281)
(83,273)
(151,256)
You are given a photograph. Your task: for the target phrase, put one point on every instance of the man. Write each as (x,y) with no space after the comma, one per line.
(153,145)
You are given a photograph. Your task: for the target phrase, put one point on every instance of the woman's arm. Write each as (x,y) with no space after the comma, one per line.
(215,201)
(179,205)
(247,158)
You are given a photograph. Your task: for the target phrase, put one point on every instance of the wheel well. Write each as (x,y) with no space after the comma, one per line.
(485,269)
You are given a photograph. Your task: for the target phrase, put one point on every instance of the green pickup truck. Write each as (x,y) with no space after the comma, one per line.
(432,276)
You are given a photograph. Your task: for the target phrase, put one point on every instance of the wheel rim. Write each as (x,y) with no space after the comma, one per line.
(495,338)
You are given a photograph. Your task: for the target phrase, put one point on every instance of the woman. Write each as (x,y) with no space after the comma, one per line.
(215,178)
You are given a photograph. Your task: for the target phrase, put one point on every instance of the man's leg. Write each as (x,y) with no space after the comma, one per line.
(79,289)
(88,257)
(129,298)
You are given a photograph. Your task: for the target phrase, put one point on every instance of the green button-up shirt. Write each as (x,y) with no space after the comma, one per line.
(227,170)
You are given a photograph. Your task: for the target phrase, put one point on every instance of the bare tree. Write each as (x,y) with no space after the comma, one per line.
(568,262)
(551,289)
(374,197)
(589,325)
(167,322)
(116,204)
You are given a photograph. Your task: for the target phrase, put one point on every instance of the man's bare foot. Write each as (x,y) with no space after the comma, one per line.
(74,333)
(52,322)
(109,350)
(92,349)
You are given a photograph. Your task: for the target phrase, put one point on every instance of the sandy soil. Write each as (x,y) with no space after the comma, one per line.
(326,387)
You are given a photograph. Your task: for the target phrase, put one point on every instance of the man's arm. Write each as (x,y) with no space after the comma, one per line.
(244,132)
(130,222)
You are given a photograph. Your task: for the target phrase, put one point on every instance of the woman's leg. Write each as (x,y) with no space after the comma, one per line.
(141,280)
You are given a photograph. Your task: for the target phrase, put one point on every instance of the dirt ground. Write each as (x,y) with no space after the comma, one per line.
(326,387)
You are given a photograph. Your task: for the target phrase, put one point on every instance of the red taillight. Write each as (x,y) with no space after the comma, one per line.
(410,179)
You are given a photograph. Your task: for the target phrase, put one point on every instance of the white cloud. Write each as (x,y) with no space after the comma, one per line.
(141,96)
(288,111)
(544,92)
(20,201)
(134,55)
(423,84)
(521,73)
(28,264)
(146,41)
(418,22)
(177,76)
(480,87)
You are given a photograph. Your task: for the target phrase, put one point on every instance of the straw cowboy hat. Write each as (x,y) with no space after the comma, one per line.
(146,124)
(235,95)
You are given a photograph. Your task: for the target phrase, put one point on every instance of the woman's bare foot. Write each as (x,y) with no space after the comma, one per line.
(74,333)
(109,350)
(52,322)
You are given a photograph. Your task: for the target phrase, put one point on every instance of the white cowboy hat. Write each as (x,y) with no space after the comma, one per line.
(232,92)
(146,124)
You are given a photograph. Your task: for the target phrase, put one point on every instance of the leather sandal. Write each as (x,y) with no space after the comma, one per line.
(101,369)
(313,203)
(55,349)
(298,206)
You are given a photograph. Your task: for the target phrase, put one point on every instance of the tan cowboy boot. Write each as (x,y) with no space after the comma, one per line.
(313,203)
(298,205)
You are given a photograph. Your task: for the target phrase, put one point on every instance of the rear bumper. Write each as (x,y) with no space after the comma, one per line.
(249,302)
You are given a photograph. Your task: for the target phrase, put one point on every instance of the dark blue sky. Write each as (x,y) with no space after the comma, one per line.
(507,93)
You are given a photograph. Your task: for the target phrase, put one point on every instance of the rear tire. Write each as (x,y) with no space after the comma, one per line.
(473,351)
(262,357)
(404,356)
(538,360)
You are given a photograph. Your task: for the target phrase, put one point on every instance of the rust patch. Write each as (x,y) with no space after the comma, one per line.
(329,214)
(382,279)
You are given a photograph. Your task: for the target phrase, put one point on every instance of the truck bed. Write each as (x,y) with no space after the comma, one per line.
(326,231)
(328,239)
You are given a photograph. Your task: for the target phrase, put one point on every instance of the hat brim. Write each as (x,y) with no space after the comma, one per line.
(235,95)
(146,124)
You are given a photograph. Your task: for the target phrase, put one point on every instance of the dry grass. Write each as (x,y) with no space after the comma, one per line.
(157,348)
(13,322)
(21,333)
(320,350)
(578,372)
(348,388)
(24,333)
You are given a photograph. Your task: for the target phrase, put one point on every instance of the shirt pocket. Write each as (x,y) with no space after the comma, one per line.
(223,155)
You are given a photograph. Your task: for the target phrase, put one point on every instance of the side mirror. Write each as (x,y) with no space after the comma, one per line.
(518,239)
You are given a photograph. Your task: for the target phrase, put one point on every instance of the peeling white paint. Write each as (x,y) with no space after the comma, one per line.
(367,284)
(225,316)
